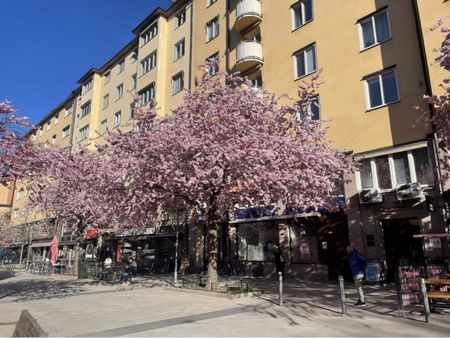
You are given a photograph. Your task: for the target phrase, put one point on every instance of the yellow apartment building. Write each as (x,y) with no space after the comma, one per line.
(375,57)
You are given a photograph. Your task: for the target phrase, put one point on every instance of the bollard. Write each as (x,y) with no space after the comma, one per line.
(280,288)
(342,290)
(426,304)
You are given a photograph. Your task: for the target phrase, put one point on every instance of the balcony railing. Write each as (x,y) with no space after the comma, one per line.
(248,55)
(248,13)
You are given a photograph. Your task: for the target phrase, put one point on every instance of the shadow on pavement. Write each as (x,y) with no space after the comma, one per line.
(6,274)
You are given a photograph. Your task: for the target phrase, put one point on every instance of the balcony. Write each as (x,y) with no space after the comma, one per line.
(248,13)
(249,54)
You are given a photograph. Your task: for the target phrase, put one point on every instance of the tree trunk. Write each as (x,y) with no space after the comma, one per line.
(213,247)
(76,264)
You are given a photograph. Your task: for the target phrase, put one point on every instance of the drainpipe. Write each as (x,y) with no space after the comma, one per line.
(227,50)
(429,92)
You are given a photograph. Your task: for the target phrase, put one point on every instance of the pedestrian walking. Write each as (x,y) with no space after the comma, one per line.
(358,265)
(280,262)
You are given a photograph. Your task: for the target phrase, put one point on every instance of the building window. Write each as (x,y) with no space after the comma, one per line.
(117,119)
(147,94)
(87,86)
(210,2)
(381,89)
(17,195)
(149,34)
(120,66)
(374,29)
(66,131)
(68,110)
(85,109)
(56,119)
(305,61)
(148,63)
(84,132)
(53,139)
(180,18)
(388,172)
(134,56)
(302,13)
(212,29)
(107,77)
(179,50)
(256,241)
(105,101)
(257,81)
(177,83)
(131,112)
(313,112)
(16,213)
(133,82)
(48,125)
(214,70)
(119,91)
(103,126)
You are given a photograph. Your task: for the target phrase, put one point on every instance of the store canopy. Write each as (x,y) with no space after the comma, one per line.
(442,235)
(41,244)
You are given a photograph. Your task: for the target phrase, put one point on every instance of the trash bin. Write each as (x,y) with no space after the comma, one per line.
(373,272)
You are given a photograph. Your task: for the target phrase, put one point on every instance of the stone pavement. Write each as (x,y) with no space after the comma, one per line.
(67,307)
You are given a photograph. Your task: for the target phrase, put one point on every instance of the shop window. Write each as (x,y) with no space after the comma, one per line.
(256,241)
(304,243)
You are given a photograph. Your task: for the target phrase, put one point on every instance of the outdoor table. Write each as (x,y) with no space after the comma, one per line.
(437,281)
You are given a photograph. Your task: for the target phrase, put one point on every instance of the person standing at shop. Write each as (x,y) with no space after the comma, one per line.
(280,262)
(358,265)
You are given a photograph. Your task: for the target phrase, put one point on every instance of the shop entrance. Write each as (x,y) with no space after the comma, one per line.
(400,246)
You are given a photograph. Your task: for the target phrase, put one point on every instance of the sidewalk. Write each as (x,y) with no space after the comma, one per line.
(68,307)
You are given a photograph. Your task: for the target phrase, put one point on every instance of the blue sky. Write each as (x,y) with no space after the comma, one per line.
(47,45)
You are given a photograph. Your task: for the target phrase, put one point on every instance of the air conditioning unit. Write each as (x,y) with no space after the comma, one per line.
(409,191)
(369,196)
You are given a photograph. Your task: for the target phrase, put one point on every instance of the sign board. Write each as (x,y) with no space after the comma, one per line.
(409,284)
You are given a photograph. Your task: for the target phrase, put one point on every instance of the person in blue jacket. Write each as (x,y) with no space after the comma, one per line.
(358,265)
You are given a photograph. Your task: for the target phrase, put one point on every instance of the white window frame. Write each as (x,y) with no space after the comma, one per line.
(103,126)
(107,77)
(56,119)
(105,102)
(179,50)
(147,94)
(375,35)
(179,75)
(210,2)
(84,111)
(83,133)
(210,26)
(180,18)
(149,34)
(119,92)
(66,131)
(395,185)
(68,109)
(301,4)
(316,102)
(304,50)
(133,83)
(87,86)
(117,119)
(379,75)
(148,63)
(120,66)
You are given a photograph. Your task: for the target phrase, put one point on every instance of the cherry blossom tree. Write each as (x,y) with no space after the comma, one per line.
(11,141)
(226,145)
(440,116)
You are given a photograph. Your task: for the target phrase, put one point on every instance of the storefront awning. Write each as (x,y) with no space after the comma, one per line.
(41,244)
(272,218)
(442,235)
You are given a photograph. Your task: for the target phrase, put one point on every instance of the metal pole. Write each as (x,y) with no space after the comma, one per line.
(280,288)
(175,277)
(342,291)
(29,248)
(426,304)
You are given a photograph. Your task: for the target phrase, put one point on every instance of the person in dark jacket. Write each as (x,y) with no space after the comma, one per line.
(280,262)
(358,265)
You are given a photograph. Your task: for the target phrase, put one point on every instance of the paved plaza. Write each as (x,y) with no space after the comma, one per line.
(64,306)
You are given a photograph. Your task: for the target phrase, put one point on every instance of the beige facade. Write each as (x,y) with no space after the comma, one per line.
(375,57)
